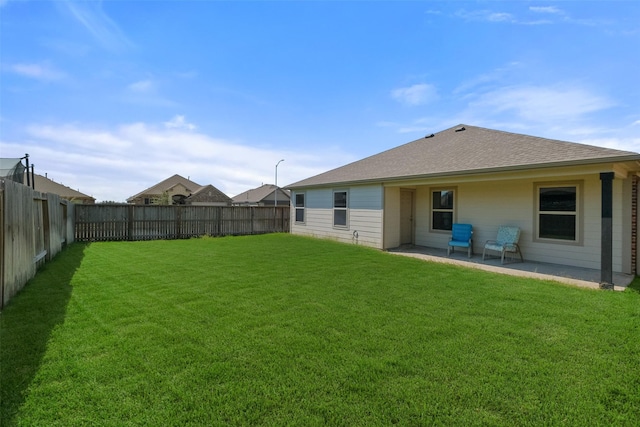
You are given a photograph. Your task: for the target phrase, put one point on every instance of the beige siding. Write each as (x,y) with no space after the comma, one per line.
(391,217)
(364,216)
(489,204)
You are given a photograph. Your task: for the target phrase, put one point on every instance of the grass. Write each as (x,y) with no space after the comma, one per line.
(284,330)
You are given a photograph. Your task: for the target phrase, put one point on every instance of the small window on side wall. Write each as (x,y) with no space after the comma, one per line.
(340,206)
(442,209)
(300,206)
(558,212)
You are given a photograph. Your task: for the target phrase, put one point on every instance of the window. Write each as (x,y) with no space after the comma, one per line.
(442,210)
(557,214)
(340,208)
(299,202)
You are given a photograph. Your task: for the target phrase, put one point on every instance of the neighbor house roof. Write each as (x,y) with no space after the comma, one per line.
(166,185)
(465,149)
(46,185)
(256,195)
(209,193)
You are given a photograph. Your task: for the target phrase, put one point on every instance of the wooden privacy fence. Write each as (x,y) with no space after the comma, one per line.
(34,227)
(151,222)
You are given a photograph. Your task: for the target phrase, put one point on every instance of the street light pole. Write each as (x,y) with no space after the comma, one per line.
(275,203)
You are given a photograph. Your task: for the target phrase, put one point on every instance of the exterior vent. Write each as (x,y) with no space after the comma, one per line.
(460,129)
(430,136)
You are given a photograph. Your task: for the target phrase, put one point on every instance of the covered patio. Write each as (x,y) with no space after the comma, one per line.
(576,276)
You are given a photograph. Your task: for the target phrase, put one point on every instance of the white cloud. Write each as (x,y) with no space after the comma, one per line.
(91,16)
(546,9)
(497,17)
(179,122)
(72,136)
(566,111)
(36,71)
(542,103)
(116,163)
(413,129)
(142,86)
(617,143)
(146,92)
(497,75)
(415,95)
(486,16)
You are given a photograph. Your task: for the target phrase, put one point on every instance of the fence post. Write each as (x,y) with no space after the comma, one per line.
(179,222)
(130,222)
(252,216)
(281,220)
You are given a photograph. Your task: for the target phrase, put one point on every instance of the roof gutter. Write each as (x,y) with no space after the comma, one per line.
(635,157)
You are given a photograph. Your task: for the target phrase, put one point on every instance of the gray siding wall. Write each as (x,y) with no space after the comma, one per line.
(364,224)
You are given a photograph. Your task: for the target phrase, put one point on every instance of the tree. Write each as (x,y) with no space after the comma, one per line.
(163,199)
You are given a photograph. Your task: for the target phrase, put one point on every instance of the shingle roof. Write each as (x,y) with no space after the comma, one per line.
(209,193)
(46,185)
(168,183)
(455,151)
(254,195)
(257,195)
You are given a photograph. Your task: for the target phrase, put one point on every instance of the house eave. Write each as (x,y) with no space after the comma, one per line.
(609,162)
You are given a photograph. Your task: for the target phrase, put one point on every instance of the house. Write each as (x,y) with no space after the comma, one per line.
(178,190)
(575,204)
(208,195)
(45,185)
(265,195)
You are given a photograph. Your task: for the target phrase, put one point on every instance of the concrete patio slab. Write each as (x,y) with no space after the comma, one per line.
(576,276)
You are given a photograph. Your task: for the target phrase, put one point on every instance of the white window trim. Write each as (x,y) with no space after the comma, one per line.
(579,212)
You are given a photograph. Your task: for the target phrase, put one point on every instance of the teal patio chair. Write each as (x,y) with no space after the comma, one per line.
(506,242)
(461,237)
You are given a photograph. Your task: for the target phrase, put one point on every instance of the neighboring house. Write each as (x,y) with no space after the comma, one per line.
(265,195)
(560,194)
(208,196)
(177,190)
(45,185)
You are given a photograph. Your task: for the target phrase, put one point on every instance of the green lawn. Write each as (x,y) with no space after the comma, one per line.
(283,330)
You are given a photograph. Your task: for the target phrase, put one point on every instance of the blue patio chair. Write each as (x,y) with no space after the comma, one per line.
(461,237)
(506,242)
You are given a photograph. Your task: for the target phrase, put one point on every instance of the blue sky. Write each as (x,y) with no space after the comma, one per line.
(111,97)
